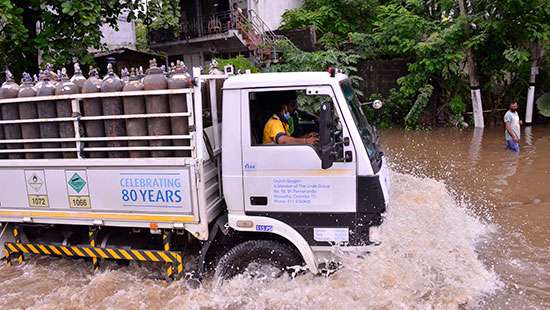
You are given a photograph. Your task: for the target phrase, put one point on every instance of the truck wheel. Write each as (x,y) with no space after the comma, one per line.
(254,256)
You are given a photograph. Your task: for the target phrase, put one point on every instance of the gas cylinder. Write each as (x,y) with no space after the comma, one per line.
(140,73)
(64,109)
(92,107)
(27,110)
(46,109)
(124,76)
(10,111)
(178,103)
(135,105)
(53,75)
(78,78)
(155,79)
(113,106)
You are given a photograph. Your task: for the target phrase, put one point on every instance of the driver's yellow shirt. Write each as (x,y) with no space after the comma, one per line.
(274,129)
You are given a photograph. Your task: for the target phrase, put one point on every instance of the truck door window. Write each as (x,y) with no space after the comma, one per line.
(288,112)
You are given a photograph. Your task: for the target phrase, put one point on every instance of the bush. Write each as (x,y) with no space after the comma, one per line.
(239,62)
(457,106)
(412,118)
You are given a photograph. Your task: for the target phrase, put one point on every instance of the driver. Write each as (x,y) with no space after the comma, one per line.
(278,130)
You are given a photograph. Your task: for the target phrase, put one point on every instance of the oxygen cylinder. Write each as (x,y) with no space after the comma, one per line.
(27,110)
(124,76)
(64,109)
(113,106)
(178,103)
(36,80)
(78,78)
(140,73)
(135,105)
(46,109)
(93,107)
(10,111)
(155,79)
(53,75)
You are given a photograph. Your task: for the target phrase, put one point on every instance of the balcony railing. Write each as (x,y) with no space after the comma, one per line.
(200,27)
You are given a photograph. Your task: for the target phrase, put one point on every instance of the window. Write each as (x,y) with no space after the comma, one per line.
(267,107)
(367,132)
(268,120)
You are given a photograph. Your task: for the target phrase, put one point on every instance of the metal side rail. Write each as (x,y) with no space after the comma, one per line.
(172,259)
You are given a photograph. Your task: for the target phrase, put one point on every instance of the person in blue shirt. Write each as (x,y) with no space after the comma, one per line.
(513,123)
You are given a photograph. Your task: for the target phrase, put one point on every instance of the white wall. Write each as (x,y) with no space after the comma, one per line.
(271,11)
(124,37)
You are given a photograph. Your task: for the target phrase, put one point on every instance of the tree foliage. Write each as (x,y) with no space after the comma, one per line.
(239,63)
(295,60)
(431,36)
(67,29)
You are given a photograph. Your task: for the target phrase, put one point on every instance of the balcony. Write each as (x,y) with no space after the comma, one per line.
(209,26)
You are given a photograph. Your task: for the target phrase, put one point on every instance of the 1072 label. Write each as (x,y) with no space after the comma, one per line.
(38,201)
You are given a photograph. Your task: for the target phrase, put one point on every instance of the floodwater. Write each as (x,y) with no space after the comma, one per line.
(467,227)
(509,193)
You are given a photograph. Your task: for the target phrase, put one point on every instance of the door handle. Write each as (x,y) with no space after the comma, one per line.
(348,156)
(258,200)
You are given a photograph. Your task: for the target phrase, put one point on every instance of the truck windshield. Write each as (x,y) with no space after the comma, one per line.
(367,132)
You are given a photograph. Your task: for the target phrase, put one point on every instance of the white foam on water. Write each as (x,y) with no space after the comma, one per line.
(427,259)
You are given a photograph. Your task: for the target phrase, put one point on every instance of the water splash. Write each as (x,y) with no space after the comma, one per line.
(427,259)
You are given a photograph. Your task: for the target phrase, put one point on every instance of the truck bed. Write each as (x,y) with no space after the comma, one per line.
(153,192)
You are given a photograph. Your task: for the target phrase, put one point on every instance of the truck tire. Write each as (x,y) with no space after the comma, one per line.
(263,252)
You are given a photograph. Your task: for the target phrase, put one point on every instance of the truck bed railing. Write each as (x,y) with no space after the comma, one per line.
(77,119)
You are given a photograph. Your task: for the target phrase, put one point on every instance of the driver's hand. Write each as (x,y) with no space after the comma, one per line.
(312,134)
(311,140)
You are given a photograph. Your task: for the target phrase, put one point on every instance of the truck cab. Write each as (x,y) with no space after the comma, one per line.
(315,196)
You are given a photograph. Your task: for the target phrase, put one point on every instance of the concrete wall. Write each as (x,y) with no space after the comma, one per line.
(271,11)
(124,37)
(380,76)
(305,39)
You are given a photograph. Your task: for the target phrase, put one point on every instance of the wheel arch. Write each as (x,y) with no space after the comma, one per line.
(282,231)
(225,234)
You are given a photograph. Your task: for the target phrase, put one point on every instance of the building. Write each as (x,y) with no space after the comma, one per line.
(211,28)
(124,37)
(120,48)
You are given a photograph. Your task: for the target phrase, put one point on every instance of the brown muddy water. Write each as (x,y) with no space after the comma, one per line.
(467,227)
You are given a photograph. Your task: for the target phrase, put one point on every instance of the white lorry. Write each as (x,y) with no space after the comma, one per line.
(231,202)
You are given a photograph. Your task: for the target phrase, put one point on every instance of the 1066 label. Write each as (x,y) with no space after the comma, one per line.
(77,189)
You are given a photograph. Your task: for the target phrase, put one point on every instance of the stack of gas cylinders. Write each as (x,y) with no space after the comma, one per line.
(49,83)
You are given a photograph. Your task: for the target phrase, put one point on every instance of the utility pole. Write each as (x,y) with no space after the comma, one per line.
(475,91)
(536,54)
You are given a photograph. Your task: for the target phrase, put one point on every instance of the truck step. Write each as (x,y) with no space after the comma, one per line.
(172,259)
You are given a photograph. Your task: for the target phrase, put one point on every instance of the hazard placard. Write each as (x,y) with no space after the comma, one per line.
(37,191)
(77,189)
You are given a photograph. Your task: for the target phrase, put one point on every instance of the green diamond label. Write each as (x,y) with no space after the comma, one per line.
(77,182)
(77,189)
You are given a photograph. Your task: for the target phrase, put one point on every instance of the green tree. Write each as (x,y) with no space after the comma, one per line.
(333,20)
(62,30)
(449,45)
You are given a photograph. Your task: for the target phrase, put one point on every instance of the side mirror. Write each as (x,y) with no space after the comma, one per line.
(326,141)
(375,104)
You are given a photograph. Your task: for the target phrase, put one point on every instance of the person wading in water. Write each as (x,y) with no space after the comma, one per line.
(512,132)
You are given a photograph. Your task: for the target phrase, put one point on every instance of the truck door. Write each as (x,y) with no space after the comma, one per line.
(286,182)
